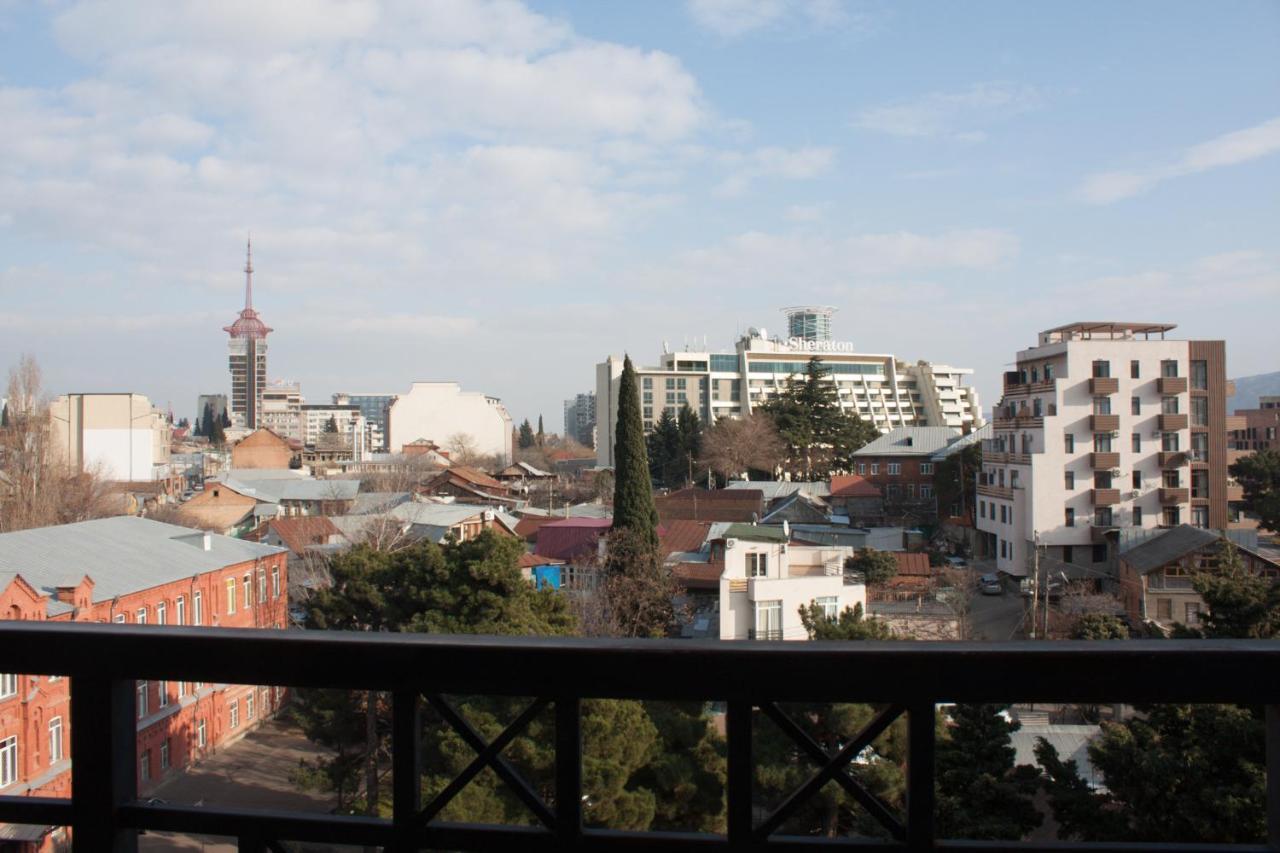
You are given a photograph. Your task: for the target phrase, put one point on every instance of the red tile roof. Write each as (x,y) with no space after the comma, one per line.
(912,565)
(853,486)
(471,475)
(300,532)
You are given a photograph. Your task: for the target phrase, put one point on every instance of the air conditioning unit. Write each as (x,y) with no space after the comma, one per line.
(1116,472)
(730,543)
(1133,495)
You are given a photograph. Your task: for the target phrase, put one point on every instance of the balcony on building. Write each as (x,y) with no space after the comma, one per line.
(1104,461)
(1173,423)
(1235,492)
(1172,458)
(1104,423)
(1106,497)
(1172,384)
(1174,495)
(1101,385)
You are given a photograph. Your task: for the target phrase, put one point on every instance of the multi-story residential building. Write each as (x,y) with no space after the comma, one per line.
(1257,429)
(376,409)
(880,389)
(443,413)
(580,419)
(317,418)
(122,436)
(902,464)
(1105,431)
(138,572)
(767,578)
(282,409)
(247,357)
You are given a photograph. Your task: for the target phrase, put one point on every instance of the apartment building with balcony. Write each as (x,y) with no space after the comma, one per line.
(1105,430)
(768,577)
(1258,428)
(132,571)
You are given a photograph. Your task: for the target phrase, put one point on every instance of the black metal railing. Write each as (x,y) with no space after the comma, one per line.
(764,634)
(105,813)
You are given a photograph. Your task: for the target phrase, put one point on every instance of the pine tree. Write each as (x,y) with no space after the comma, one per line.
(526,439)
(331,425)
(633,507)
(820,436)
(226,419)
(206,422)
(1259,475)
(690,441)
(664,449)
(849,625)
(981,794)
(4,416)
(1241,604)
(217,436)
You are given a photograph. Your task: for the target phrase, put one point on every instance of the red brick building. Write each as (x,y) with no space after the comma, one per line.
(132,571)
(1257,429)
(902,464)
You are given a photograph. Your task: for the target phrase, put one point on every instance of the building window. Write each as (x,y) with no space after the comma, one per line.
(8,685)
(1137,479)
(862,468)
(1135,405)
(197,609)
(1048,373)
(141,616)
(1169,368)
(202,734)
(162,691)
(246,587)
(1102,369)
(1102,517)
(180,610)
(830,605)
(1200,375)
(911,490)
(1102,405)
(1100,553)
(926,468)
(1169,442)
(144,766)
(1200,411)
(768,620)
(926,490)
(1169,405)
(164,755)
(8,761)
(248,707)
(119,618)
(1191,609)
(162,611)
(1070,520)
(757,565)
(275,581)
(875,468)
(1134,371)
(1137,516)
(1171,516)
(231,596)
(894,468)
(1200,517)
(1069,443)
(1135,443)
(182,689)
(55,740)
(1069,480)
(142,699)
(1102,442)
(893,490)
(262,584)
(1066,553)
(1164,609)
(233,720)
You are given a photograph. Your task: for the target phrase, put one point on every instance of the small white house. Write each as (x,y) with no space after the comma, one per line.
(768,577)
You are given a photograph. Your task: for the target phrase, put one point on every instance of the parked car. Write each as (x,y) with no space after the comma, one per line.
(990,585)
(957,562)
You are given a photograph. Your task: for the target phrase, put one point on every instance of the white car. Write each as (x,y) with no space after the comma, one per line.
(990,585)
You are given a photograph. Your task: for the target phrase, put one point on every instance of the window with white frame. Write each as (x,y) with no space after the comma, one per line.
(231,595)
(141,616)
(875,468)
(830,605)
(197,609)
(246,587)
(144,766)
(180,610)
(926,467)
(164,756)
(118,618)
(55,740)
(182,689)
(162,611)
(926,490)
(262,584)
(895,468)
(202,734)
(8,685)
(142,699)
(249,707)
(8,761)
(862,468)
(275,581)
(234,719)
(162,691)
(757,565)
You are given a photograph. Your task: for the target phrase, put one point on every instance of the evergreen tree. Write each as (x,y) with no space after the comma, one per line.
(690,426)
(876,567)
(1099,626)
(633,507)
(217,436)
(1241,604)
(664,450)
(526,435)
(4,416)
(849,625)
(1259,476)
(226,419)
(206,422)
(954,480)
(541,435)
(981,794)
(331,425)
(819,435)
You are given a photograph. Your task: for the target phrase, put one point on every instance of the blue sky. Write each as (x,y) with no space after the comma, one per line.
(502,193)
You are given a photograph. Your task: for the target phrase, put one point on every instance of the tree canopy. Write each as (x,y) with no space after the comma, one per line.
(1099,626)
(1259,476)
(819,435)
(876,567)
(526,438)
(850,624)
(633,506)
(981,794)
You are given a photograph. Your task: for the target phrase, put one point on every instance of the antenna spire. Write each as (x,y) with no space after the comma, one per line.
(248,273)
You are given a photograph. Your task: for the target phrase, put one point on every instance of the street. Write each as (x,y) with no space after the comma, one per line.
(996,617)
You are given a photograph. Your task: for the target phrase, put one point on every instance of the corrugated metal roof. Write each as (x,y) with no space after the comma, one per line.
(774,489)
(981,433)
(122,555)
(755,533)
(910,441)
(274,490)
(371,502)
(445,515)
(1167,547)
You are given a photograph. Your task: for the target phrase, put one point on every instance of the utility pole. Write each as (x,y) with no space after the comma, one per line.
(1046,593)
(1035,580)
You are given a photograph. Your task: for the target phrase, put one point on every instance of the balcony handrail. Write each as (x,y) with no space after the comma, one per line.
(103,661)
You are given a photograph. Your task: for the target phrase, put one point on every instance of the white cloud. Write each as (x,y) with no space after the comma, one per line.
(951,114)
(734,18)
(1230,149)
(790,163)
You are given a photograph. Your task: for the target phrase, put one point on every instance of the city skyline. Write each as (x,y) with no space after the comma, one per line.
(720,160)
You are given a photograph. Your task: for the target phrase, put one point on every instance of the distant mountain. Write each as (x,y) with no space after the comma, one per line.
(1250,388)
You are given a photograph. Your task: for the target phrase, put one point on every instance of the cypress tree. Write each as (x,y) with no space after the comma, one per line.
(633,507)
(541,435)
(526,435)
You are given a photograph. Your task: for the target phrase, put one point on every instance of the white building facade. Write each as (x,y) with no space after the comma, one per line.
(766,580)
(880,389)
(120,436)
(282,410)
(443,413)
(348,419)
(1105,432)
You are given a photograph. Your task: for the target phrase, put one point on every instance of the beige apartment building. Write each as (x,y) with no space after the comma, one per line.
(1107,432)
(122,436)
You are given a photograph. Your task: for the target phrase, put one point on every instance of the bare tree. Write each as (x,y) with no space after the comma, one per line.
(464,449)
(734,446)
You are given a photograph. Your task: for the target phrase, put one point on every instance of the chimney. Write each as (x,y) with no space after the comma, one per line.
(206,541)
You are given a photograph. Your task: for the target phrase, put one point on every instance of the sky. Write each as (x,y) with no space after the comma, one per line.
(503,193)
